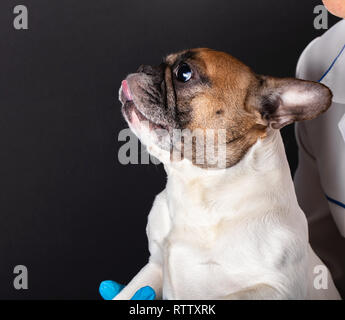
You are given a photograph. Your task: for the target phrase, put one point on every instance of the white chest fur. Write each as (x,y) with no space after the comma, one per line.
(219,232)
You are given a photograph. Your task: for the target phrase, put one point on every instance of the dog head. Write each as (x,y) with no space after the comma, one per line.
(199,93)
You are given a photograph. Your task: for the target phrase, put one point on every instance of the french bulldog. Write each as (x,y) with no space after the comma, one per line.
(227,226)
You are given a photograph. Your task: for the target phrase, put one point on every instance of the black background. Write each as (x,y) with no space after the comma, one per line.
(69,211)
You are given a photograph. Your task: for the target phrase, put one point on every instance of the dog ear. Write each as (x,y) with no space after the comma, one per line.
(283,101)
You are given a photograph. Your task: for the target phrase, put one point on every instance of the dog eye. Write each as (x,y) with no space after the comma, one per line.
(184,72)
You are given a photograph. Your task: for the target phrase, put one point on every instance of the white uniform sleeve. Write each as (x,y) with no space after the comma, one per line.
(309,64)
(321,139)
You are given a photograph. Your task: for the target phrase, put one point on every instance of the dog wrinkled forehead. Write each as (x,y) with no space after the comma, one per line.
(175,58)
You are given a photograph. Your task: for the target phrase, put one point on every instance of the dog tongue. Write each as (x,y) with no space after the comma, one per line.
(126,91)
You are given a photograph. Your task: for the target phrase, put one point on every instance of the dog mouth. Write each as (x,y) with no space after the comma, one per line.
(132,113)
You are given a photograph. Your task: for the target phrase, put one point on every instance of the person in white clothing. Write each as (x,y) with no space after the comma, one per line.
(320,176)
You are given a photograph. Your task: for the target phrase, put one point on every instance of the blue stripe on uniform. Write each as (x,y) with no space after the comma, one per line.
(338,203)
(333,63)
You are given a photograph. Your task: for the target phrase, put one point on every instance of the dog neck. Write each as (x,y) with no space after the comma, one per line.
(265,156)
(262,175)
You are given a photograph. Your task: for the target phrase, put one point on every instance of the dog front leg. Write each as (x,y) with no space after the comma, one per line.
(150,275)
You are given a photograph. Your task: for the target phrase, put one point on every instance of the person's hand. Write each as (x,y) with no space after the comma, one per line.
(110,289)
